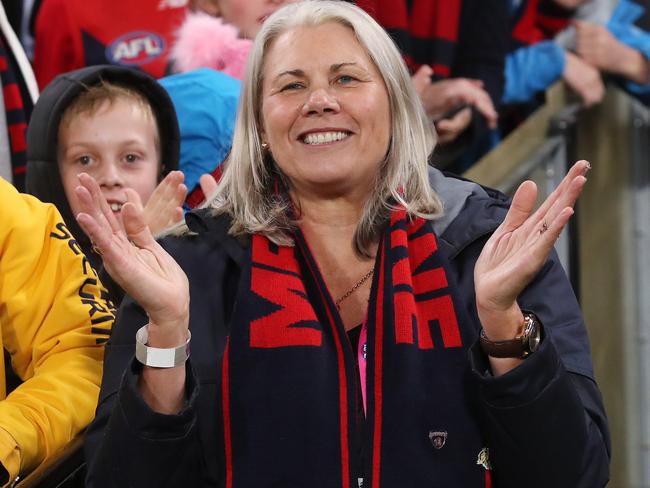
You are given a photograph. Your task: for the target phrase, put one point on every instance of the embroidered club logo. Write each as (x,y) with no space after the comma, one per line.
(135,48)
(438,439)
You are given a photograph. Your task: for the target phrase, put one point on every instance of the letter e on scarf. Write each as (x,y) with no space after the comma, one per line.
(417,275)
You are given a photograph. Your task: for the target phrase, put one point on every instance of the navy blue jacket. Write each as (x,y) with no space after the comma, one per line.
(543,421)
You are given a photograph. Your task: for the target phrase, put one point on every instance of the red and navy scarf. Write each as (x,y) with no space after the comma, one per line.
(426,31)
(292,404)
(16,113)
(537,20)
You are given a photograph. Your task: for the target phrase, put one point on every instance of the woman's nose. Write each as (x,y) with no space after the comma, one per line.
(320,101)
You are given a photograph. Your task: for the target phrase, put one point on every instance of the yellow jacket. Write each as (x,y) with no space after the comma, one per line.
(54,321)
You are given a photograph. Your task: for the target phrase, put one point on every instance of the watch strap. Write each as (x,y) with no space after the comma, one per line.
(158,357)
(525,343)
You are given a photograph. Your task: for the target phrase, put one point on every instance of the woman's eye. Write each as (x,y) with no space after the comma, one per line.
(131,158)
(83,160)
(292,86)
(345,79)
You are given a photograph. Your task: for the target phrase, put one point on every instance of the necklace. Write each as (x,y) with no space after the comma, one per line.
(354,288)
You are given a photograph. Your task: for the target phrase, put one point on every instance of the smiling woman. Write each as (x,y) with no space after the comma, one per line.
(442,370)
(331,65)
(326,118)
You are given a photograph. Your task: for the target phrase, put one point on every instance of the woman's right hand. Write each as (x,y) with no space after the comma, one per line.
(137,263)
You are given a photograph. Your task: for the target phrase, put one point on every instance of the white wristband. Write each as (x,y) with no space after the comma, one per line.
(157,357)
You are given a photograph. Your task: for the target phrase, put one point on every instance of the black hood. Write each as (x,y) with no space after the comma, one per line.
(43,178)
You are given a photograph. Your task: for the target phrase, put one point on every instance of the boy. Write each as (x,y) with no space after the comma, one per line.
(119,126)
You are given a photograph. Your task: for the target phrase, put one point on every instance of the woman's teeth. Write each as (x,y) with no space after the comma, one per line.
(116,207)
(324,137)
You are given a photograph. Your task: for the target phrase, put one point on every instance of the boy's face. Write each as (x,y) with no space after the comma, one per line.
(248,15)
(116,145)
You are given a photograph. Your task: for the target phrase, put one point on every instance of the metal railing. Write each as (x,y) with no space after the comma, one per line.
(541,149)
(606,250)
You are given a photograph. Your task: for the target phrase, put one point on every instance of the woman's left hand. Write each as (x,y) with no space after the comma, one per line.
(517,250)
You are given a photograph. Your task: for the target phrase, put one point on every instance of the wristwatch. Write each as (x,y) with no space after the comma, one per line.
(524,344)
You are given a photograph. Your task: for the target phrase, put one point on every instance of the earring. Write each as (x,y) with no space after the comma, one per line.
(265,146)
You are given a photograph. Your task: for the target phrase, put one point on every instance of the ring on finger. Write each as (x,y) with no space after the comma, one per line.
(96,250)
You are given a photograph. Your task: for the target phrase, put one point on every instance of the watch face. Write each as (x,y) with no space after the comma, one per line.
(532,333)
(533,342)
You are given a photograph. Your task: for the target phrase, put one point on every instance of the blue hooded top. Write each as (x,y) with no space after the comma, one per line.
(206,105)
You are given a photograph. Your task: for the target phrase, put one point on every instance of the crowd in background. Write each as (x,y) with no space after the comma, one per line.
(480,67)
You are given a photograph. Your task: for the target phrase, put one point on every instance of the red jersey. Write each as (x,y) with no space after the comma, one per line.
(71,34)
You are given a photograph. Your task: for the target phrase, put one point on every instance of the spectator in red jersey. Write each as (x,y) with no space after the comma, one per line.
(71,34)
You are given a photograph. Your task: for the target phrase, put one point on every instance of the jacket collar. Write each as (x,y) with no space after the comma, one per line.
(215,228)
(471,212)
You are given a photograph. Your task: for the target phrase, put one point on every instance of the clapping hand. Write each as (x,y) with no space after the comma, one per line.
(165,205)
(517,250)
(208,185)
(136,261)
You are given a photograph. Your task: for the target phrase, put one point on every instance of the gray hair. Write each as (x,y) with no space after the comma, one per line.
(248,190)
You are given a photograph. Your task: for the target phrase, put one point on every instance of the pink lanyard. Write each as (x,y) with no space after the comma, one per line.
(361,356)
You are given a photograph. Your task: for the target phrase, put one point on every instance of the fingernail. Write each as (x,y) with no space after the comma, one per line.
(587,168)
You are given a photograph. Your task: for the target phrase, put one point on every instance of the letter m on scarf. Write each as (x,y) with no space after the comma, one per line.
(276,277)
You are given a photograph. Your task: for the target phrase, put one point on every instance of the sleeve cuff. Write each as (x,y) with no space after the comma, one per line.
(522,384)
(9,457)
(153,425)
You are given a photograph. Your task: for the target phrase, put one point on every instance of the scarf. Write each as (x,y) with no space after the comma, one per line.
(538,20)
(293,407)
(426,31)
(17,115)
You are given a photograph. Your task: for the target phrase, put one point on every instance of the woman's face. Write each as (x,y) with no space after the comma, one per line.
(325,111)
